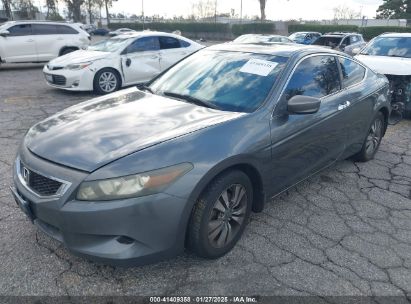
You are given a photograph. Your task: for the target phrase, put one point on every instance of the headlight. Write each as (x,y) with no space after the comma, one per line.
(132,185)
(78,66)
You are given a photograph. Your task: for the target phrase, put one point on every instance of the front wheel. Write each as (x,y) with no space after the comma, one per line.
(373,140)
(106,81)
(220,215)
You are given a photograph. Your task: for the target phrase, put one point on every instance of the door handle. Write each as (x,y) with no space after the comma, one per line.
(344,105)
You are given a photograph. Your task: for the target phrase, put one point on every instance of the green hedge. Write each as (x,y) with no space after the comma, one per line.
(373,31)
(292,28)
(251,28)
(191,27)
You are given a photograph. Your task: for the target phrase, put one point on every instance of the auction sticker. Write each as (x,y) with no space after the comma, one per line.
(258,67)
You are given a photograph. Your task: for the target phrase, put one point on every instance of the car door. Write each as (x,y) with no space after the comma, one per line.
(360,98)
(171,51)
(141,60)
(45,36)
(305,143)
(19,46)
(355,41)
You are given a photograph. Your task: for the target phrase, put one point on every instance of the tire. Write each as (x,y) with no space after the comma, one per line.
(373,140)
(214,229)
(67,51)
(106,81)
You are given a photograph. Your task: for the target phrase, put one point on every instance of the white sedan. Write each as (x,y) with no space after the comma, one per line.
(118,62)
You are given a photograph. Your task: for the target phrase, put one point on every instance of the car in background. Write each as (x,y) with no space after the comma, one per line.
(124,60)
(261,39)
(137,175)
(344,42)
(39,41)
(390,54)
(100,32)
(120,31)
(89,28)
(304,37)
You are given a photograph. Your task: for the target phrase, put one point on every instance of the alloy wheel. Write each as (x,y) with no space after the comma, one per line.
(374,137)
(108,82)
(227,215)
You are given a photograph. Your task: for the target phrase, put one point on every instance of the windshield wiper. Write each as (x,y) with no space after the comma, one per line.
(192,99)
(145,87)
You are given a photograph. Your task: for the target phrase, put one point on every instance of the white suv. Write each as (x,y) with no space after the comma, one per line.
(35,41)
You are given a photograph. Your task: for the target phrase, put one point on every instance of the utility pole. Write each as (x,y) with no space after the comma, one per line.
(241,11)
(142,11)
(215,12)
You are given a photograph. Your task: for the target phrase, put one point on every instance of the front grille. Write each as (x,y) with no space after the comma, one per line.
(59,80)
(40,184)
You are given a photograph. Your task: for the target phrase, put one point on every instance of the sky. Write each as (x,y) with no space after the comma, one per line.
(275,9)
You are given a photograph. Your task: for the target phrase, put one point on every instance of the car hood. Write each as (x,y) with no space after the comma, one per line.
(78,57)
(387,65)
(97,132)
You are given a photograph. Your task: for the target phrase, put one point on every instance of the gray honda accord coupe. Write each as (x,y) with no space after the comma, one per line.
(181,162)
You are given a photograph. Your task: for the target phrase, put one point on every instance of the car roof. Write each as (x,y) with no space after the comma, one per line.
(280,49)
(147,33)
(40,22)
(402,35)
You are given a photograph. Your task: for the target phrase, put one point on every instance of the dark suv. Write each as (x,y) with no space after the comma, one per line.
(344,42)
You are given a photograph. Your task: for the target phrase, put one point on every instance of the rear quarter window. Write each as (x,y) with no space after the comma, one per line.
(65,30)
(352,72)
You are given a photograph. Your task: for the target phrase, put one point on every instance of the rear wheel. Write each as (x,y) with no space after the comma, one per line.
(373,140)
(220,215)
(106,81)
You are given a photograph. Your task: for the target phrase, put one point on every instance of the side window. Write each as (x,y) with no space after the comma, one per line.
(184,43)
(43,29)
(316,76)
(20,30)
(352,72)
(346,41)
(169,43)
(144,44)
(354,39)
(65,30)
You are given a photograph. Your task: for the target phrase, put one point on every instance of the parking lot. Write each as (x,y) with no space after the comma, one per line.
(346,231)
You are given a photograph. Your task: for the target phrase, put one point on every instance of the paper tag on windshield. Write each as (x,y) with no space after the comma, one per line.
(258,67)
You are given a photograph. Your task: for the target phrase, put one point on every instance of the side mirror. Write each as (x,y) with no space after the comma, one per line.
(303,105)
(356,51)
(4,33)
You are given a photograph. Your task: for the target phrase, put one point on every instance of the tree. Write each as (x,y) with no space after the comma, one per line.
(262,9)
(108,3)
(203,9)
(74,9)
(26,9)
(344,12)
(394,9)
(52,10)
(7,8)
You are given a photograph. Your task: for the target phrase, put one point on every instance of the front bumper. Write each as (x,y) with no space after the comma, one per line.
(78,80)
(122,232)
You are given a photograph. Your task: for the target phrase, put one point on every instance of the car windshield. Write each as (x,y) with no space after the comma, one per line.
(328,41)
(298,36)
(250,39)
(229,81)
(110,45)
(389,46)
